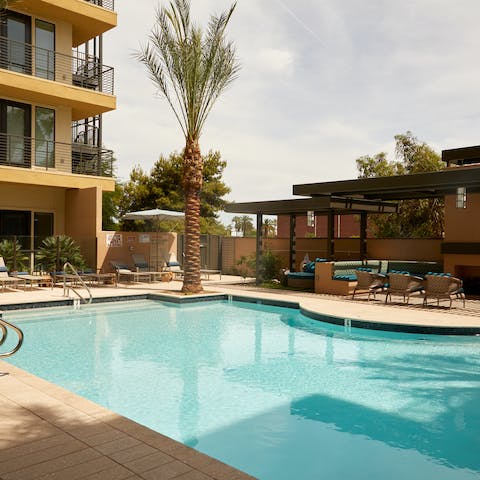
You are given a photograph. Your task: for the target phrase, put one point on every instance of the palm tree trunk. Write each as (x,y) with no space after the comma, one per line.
(192,184)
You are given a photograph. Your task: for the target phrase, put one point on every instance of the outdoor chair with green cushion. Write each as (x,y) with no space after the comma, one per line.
(369,282)
(443,286)
(403,284)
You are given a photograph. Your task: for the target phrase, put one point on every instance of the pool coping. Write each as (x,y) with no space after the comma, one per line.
(315,314)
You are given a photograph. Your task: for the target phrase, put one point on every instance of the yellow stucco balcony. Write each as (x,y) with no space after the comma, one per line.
(89,18)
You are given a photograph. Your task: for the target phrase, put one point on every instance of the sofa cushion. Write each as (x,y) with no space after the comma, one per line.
(302,275)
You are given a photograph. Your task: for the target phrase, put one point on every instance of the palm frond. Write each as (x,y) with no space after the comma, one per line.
(190,68)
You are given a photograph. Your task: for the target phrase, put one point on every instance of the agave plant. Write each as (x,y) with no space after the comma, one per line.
(55,251)
(12,254)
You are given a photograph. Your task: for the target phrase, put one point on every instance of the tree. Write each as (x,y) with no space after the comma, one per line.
(191,68)
(162,188)
(415,218)
(244,224)
(269,227)
(110,213)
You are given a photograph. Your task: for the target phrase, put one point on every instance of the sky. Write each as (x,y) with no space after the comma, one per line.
(322,82)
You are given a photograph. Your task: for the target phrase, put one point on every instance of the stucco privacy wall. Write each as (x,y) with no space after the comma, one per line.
(119,247)
(345,249)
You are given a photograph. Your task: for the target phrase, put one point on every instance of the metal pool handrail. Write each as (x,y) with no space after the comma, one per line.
(76,275)
(4,325)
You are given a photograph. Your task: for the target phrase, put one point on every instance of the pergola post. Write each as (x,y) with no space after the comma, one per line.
(293,244)
(363,236)
(330,235)
(259,249)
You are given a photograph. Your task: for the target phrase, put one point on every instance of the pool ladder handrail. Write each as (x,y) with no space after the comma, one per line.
(4,325)
(77,276)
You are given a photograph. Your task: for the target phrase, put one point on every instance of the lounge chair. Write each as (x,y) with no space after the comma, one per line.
(175,268)
(38,280)
(91,277)
(6,280)
(369,282)
(403,284)
(142,265)
(122,270)
(443,286)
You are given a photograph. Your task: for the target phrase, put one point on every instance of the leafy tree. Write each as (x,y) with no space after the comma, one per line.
(13,256)
(415,218)
(191,68)
(55,251)
(244,224)
(162,188)
(110,214)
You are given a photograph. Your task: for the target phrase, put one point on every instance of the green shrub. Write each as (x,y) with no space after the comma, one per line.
(56,251)
(269,267)
(11,251)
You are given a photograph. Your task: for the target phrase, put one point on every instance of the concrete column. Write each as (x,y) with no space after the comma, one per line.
(259,249)
(293,244)
(331,235)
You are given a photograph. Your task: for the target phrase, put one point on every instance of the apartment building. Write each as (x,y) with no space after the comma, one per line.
(54,89)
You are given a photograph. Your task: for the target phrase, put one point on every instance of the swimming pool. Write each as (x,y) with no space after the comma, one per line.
(269,391)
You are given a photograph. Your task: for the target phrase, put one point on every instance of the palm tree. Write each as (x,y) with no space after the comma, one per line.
(191,68)
(244,224)
(269,227)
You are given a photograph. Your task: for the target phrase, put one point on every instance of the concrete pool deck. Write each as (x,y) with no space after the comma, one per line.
(47,432)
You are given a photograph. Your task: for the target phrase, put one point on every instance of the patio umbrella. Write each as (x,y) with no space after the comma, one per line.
(154,214)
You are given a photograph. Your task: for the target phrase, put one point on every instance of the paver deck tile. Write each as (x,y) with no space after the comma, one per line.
(148,462)
(167,471)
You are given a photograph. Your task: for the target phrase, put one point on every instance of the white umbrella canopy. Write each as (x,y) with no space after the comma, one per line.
(155,214)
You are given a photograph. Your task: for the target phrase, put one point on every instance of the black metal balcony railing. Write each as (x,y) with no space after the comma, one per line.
(108,4)
(78,158)
(80,69)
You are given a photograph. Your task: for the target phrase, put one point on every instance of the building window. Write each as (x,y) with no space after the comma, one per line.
(44,137)
(461,197)
(14,134)
(42,227)
(16,224)
(16,51)
(310,218)
(45,50)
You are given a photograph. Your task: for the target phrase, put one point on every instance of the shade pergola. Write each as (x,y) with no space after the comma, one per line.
(360,196)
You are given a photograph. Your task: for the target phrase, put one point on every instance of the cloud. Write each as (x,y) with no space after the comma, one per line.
(317,89)
(276,60)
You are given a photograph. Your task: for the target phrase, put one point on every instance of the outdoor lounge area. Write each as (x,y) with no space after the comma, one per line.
(334,270)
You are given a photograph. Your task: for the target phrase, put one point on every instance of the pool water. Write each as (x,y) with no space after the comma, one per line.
(269,391)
